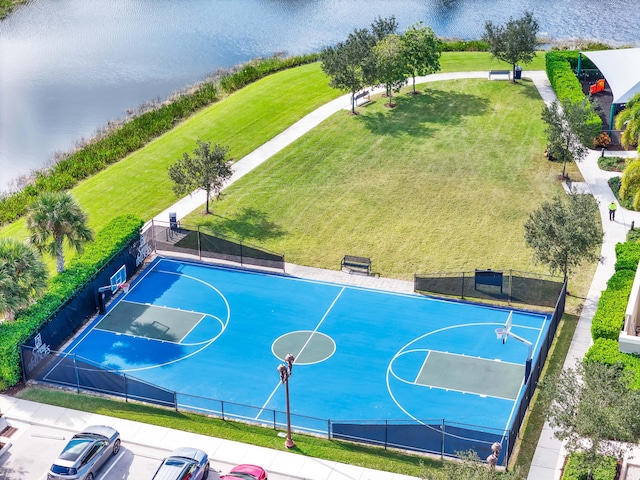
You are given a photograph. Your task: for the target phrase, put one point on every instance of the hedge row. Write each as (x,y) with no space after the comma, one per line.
(605,350)
(574,468)
(132,135)
(609,317)
(116,235)
(465,46)
(560,68)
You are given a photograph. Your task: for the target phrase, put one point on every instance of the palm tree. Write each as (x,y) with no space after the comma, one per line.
(630,183)
(23,275)
(630,117)
(53,218)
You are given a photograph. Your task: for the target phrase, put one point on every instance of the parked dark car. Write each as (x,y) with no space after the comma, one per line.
(85,453)
(184,464)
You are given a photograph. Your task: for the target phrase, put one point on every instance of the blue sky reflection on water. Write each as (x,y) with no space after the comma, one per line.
(69,66)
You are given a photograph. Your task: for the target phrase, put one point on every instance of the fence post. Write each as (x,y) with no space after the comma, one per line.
(153,236)
(442,440)
(386,434)
(199,247)
(126,389)
(510,285)
(222,408)
(75,367)
(175,400)
(462,290)
(275,426)
(328,429)
(241,253)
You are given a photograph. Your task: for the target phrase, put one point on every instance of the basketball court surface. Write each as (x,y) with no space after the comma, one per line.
(364,355)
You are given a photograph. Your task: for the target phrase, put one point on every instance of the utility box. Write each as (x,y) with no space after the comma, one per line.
(173,221)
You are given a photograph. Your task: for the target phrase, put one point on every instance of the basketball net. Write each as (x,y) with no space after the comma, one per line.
(501,334)
(124,287)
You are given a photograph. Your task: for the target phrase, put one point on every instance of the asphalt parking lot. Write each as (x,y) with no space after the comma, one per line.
(35,447)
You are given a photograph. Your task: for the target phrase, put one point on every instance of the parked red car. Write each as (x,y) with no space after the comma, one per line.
(246,472)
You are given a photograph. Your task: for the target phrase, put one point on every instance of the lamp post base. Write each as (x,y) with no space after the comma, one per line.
(289,443)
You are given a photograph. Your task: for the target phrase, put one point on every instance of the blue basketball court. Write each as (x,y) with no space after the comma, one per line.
(211,332)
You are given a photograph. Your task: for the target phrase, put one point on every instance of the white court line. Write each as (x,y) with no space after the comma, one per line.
(264,405)
(424,364)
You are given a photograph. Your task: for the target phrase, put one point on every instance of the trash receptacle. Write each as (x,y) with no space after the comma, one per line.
(517,72)
(173,221)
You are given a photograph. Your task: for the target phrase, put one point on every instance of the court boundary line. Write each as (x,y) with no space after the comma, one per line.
(273,392)
(391,372)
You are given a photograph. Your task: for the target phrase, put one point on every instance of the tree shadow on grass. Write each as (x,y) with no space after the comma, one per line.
(248,224)
(418,115)
(527,88)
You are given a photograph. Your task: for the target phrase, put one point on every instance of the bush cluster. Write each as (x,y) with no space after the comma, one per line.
(115,236)
(259,68)
(574,468)
(609,317)
(132,135)
(465,46)
(560,68)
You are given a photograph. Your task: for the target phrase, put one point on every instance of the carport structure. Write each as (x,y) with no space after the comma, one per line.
(621,68)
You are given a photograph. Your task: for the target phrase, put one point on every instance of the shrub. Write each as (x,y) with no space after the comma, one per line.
(627,256)
(464,46)
(116,235)
(605,350)
(575,469)
(609,317)
(602,141)
(612,164)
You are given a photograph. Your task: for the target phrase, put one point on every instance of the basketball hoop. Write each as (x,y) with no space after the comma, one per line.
(124,287)
(501,334)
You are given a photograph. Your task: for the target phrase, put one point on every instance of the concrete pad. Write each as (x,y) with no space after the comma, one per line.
(173,439)
(143,434)
(342,471)
(287,462)
(316,469)
(259,456)
(232,452)
(6,402)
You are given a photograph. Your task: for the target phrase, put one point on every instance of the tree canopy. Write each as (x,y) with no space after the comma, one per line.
(629,119)
(23,275)
(421,51)
(390,64)
(514,42)
(594,410)
(564,232)
(207,170)
(54,219)
(569,129)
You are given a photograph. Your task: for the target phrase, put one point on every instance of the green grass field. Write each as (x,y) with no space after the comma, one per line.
(442,182)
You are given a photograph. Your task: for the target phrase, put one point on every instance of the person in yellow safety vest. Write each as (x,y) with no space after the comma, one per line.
(612,210)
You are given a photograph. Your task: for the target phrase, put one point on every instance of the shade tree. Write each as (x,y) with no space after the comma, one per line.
(421,50)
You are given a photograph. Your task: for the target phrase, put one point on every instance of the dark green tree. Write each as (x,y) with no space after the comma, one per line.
(515,42)
(569,129)
(23,276)
(594,410)
(207,170)
(351,65)
(54,219)
(629,119)
(390,64)
(564,232)
(421,50)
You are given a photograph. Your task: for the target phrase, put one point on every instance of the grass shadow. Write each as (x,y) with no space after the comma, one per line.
(248,224)
(413,114)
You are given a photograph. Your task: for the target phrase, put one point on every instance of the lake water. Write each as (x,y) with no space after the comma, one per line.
(69,66)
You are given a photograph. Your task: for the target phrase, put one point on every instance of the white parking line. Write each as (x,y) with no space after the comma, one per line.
(113,464)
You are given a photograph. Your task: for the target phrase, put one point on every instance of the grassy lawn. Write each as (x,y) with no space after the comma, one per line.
(474,61)
(442,182)
(376,458)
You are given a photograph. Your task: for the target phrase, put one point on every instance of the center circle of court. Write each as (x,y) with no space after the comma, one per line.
(307,346)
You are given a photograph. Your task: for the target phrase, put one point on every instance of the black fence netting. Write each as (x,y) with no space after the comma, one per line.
(70,370)
(508,286)
(436,436)
(193,240)
(70,316)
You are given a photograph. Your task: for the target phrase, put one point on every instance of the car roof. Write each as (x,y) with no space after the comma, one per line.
(194,454)
(102,430)
(172,468)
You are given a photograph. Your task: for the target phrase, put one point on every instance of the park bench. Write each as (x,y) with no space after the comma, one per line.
(362,95)
(356,264)
(500,73)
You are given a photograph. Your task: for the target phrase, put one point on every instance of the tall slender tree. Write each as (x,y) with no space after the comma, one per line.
(421,50)
(390,64)
(56,219)
(515,42)
(629,119)
(23,276)
(207,170)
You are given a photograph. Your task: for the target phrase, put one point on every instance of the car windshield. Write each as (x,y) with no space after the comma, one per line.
(245,476)
(75,448)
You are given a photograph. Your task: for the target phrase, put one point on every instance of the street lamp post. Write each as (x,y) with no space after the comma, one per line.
(285,372)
